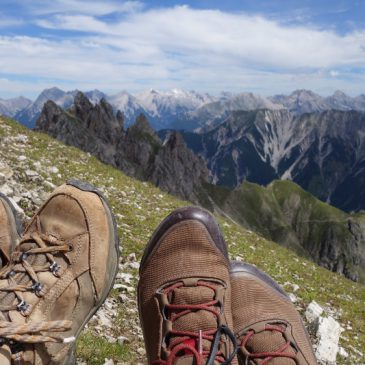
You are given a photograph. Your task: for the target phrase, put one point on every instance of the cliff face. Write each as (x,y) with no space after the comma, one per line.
(322,152)
(137,151)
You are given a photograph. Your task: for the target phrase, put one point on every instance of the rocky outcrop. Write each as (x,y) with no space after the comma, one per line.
(177,168)
(137,151)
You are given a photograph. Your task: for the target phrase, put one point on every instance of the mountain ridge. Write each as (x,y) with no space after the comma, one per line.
(188,110)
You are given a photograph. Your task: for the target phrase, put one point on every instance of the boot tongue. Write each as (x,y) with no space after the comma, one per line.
(270,341)
(195,320)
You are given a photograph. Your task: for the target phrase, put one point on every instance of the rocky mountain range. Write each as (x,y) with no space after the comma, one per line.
(306,101)
(137,150)
(10,107)
(180,109)
(172,166)
(322,152)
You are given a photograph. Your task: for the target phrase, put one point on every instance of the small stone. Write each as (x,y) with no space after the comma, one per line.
(141,351)
(343,353)
(122,340)
(31,174)
(134,265)
(53,170)
(21,138)
(313,312)
(6,190)
(132,257)
(293,297)
(21,158)
(37,165)
(111,339)
(108,362)
(123,298)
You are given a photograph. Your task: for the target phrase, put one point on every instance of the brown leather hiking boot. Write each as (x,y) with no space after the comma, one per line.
(184,293)
(10,228)
(59,274)
(268,328)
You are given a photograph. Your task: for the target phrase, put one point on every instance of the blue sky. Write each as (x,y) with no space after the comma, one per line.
(267,47)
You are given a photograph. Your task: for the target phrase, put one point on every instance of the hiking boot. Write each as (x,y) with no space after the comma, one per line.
(268,328)
(184,293)
(10,228)
(59,274)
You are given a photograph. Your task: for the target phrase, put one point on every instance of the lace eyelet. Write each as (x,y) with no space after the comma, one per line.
(10,274)
(70,247)
(54,268)
(23,256)
(37,288)
(22,307)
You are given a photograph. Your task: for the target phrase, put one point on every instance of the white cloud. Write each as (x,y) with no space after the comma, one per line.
(94,7)
(183,47)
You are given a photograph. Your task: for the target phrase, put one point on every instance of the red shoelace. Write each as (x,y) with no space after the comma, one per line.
(268,355)
(183,343)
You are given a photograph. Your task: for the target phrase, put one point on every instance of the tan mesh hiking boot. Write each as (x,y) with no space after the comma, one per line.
(268,328)
(184,293)
(10,228)
(58,276)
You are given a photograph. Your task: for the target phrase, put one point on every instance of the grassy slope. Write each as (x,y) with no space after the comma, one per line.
(139,207)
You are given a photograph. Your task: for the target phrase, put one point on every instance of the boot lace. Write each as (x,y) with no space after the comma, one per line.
(22,276)
(267,355)
(183,343)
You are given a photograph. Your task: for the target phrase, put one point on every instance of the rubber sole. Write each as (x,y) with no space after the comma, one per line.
(84,186)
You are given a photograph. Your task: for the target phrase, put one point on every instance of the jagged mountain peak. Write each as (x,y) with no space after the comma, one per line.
(142,124)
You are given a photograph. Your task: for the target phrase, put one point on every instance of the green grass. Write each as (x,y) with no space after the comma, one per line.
(139,207)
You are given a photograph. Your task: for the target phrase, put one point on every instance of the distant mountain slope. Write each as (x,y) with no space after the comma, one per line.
(306,101)
(10,107)
(285,213)
(212,114)
(322,152)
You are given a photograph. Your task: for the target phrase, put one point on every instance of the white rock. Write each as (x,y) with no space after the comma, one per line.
(313,312)
(22,158)
(328,334)
(134,265)
(293,297)
(6,190)
(2,178)
(6,170)
(37,164)
(343,353)
(295,287)
(108,362)
(21,138)
(122,340)
(31,173)
(53,170)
